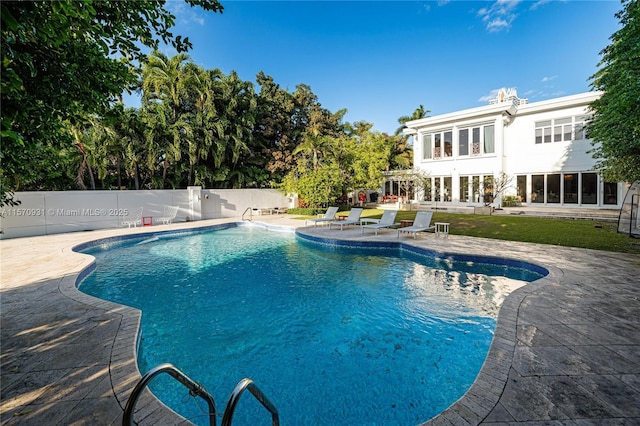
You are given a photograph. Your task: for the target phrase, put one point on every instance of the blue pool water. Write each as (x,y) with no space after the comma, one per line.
(332,335)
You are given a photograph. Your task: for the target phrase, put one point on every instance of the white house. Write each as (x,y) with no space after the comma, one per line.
(538,149)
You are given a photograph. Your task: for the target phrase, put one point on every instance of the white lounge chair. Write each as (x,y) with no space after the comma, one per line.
(133,218)
(422,222)
(353,219)
(327,217)
(388,220)
(169,214)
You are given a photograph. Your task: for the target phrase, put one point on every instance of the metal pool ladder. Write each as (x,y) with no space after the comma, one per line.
(250,210)
(195,389)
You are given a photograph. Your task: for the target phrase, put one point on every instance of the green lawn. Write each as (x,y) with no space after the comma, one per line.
(562,232)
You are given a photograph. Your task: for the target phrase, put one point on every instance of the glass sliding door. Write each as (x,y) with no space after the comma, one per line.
(610,193)
(521,187)
(464,189)
(475,183)
(446,192)
(537,189)
(589,188)
(570,182)
(553,188)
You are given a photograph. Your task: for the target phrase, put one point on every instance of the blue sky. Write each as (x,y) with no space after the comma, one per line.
(382,59)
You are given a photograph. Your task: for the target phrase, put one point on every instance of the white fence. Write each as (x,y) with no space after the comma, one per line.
(43,213)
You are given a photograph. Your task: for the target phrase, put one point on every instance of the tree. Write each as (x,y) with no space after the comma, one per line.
(418,113)
(275,130)
(615,125)
(499,185)
(315,188)
(65,60)
(165,83)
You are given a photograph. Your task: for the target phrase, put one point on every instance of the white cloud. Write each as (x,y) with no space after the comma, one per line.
(184,13)
(547,79)
(499,15)
(539,3)
(492,95)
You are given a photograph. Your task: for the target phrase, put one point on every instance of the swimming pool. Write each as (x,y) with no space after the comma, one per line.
(332,335)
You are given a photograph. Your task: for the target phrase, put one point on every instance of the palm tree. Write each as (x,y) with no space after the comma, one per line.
(419,113)
(165,87)
(130,130)
(314,147)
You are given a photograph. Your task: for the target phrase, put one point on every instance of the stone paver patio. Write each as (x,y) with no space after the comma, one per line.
(566,348)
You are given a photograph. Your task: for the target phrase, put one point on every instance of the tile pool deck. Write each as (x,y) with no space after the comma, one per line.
(566,348)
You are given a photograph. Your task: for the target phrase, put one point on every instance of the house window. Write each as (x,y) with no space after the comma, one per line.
(537,189)
(464,189)
(610,193)
(562,129)
(442,145)
(437,149)
(426,147)
(589,188)
(448,144)
(543,131)
(482,141)
(580,131)
(475,134)
(463,142)
(570,188)
(553,188)
(489,144)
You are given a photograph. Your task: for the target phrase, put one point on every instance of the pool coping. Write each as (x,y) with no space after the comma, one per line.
(475,407)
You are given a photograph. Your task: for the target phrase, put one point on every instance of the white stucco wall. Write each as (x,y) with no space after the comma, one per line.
(52,212)
(523,155)
(234,202)
(516,152)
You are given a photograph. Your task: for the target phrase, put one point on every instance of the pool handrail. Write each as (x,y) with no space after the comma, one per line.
(250,210)
(195,389)
(255,391)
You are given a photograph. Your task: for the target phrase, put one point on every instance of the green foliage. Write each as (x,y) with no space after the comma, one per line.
(63,61)
(65,65)
(329,167)
(310,211)
(417,114)
(319,187)
(615,126)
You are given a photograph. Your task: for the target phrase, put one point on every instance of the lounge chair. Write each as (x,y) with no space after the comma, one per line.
(169,214)
(422,222)
(352,219)
(133,218)
(388,220)
(327,217)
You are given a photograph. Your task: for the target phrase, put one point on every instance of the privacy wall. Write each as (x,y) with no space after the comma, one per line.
(52,212)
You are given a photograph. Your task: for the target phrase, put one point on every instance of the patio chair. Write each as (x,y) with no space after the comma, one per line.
(352,219)
(422,222)
(133,218)
(169,214)
(388,220)
(327,217)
